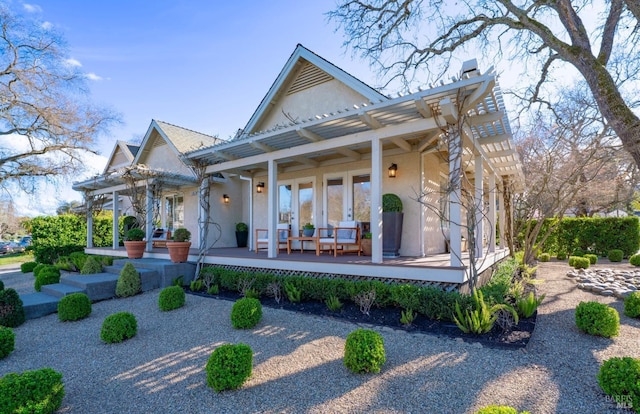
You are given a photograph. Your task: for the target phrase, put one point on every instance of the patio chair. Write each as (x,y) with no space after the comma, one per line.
(345,234)
(159,237)
(262,237)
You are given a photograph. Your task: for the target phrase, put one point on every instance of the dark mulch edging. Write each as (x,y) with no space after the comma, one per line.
(515,338)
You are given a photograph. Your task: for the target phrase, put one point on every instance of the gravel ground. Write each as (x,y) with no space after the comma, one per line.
(298,361)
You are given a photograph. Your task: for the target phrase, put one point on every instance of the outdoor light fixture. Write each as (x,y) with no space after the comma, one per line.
(260,187)
(393,170)
(225,198)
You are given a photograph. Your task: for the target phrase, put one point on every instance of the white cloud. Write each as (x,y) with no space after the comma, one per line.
(73,62)
(47,25)
(92,76)
(32,8)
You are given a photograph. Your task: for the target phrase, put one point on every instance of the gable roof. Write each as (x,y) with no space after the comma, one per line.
(319,70)
(129,151)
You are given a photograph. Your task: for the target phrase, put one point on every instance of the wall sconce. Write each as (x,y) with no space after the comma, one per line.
(393,170)
(260,187)
(225,198)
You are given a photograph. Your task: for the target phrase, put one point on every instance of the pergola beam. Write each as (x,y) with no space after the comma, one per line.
(371,122)
(401,143)
(476,120)
(309,135)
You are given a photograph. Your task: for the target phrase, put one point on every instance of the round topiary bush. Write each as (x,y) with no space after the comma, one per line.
(615,255)
(620,378)
(78,259)
(171,298)
(129,282)
(40,391)
(91,266)
(391,203)
(11,308)
(74,307)
(544,257)
(27,267)
(579,262)
(7,341)
(38,268)
(597,319)
(635,260)
(364,351)
(47,276)
(497,409)
(593,258)
(246,313)
(632,305)
(118,327)
(229,366)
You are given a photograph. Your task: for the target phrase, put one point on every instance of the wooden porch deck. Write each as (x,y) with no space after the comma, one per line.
(435,269)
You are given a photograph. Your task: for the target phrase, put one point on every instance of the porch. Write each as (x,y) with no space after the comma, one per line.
(433,270)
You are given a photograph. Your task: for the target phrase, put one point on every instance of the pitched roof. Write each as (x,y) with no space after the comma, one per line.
(183,139)
(325,68)
(129,151)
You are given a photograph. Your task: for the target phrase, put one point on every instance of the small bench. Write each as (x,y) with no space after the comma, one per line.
(160,237)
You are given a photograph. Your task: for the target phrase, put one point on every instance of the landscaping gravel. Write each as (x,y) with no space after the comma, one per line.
(298,361)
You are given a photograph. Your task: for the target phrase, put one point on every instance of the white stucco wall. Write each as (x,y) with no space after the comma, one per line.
(164,158)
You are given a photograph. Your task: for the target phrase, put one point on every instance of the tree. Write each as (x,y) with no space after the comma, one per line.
(46,122)
(68,207)
(547,35)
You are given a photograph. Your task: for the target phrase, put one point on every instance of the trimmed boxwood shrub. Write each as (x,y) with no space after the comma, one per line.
(47,276)
(40,267)
(615,255)
(129,282)
(40,391)
(632,305)
(544,257)
(635,260)
(74,307)
(579,262)
(7,341)
(246,313)
(78,259)
(11,308)
(620,378)
(229,366)
(497,409)
(597,319)
(364,351)
(593,258)
(118,327)
(561,256)
(91,266)
(27,267)
(171,297)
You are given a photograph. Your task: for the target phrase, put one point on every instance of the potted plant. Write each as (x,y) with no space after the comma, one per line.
(392,217)
(242,234)
(134,243)
(308,230)
(366,244)
(179,246)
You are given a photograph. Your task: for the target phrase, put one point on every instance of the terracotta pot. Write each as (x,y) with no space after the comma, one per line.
(366,247)
(135,249)
(178,251)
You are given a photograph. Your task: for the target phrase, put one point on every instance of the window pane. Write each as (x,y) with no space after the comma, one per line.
(362,198)
(335,201)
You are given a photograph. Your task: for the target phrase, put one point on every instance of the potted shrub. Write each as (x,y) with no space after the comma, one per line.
(179,247)
(308,230)
(242,234)
(366,244)
(392,217)
(134,243)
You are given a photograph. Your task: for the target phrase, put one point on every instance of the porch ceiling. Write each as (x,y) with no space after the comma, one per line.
(115,181)
(488,126)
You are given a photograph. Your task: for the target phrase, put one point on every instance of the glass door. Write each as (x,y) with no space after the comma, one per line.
(347,197)
(296,204)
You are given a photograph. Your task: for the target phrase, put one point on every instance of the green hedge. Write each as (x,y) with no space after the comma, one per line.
(597,235)
(40,391)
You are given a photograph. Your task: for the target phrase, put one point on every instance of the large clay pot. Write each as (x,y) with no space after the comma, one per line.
(135,249)
(178,251)
(366,247)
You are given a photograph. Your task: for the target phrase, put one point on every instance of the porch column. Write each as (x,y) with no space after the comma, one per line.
(502,217)
(89,204)
(455,172)
(376,201)
(115,239)
(149,217)
(492,213)
(479,206)
(272,209)
(203,213)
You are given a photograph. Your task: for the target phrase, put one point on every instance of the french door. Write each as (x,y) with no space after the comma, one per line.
(347,197)
(296,203)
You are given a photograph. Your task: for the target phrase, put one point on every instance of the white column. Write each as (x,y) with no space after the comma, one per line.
(502,217)
(149,218)
(376,201)
(203,220)
(115,240)
(89,204)
(492,213)
(455,171)
(479,206)
(272,208)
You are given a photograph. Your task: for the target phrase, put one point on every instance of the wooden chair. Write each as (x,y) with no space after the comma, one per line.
(345,234)
(262,237)
(159,237)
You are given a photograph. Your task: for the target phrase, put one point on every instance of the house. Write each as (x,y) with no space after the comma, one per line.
(323,147)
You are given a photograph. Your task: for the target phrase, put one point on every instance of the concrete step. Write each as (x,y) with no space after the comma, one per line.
(98,286)
(60,290)
(167,270)
(37,305)
(150,278)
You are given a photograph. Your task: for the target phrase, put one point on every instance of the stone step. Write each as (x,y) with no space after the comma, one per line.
(167,270)
(37,305)
(98,286)
(60,290)
(150,278)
